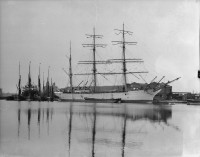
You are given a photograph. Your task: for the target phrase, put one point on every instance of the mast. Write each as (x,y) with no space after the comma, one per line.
(124,61)
(124,43)
(19,83)
(94,61)
(48,82)
(70,70)
(43,83)
(94,45)
(29,79)
(52,92)
(39,84)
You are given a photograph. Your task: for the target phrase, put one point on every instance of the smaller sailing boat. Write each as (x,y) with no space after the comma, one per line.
(30,91)
(19,94)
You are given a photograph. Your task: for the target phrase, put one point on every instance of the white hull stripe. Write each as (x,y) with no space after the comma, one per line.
(139,95)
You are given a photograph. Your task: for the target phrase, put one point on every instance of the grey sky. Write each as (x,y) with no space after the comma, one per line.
(167,33)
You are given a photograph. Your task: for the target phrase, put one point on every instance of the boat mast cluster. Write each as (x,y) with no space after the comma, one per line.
(34,92)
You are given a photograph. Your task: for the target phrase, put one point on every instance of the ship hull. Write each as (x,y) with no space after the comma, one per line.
(138,96)
(193,101)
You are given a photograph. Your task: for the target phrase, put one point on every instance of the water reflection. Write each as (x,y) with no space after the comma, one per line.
(43,115)
(94,130)
(47,120)
(126,113)
(19,117)
(94,125)
(39,113)
(70,126)
(29,122)
(124,132)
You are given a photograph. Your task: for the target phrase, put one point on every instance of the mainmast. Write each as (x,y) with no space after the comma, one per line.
(70,70)
(94,61)
(124,61)
(123,42)
(94,45)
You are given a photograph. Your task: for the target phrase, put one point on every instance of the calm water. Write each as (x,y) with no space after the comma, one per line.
(57,129)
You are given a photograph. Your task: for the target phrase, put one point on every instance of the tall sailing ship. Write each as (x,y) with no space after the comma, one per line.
(125,93)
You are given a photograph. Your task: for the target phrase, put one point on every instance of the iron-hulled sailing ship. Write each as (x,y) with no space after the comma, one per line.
(125,93)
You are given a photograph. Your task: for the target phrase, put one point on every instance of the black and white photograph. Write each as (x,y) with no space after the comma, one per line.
(99,78)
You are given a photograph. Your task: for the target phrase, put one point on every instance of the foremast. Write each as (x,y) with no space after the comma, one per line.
(70,70)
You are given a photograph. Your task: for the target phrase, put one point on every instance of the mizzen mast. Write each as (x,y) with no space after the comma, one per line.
(124,43)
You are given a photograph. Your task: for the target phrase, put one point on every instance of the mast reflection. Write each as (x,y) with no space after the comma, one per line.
(47,119)
(128,113)
(40,113)
(70,126)
(38,120)
(118,133)
(43,115)
(29,121)
(94,130)
(51,113)
(19,117)
(124,131)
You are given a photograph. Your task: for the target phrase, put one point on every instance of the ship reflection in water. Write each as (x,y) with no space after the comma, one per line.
(80,129)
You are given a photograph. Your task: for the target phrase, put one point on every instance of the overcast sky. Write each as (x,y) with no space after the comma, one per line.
(166,32)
